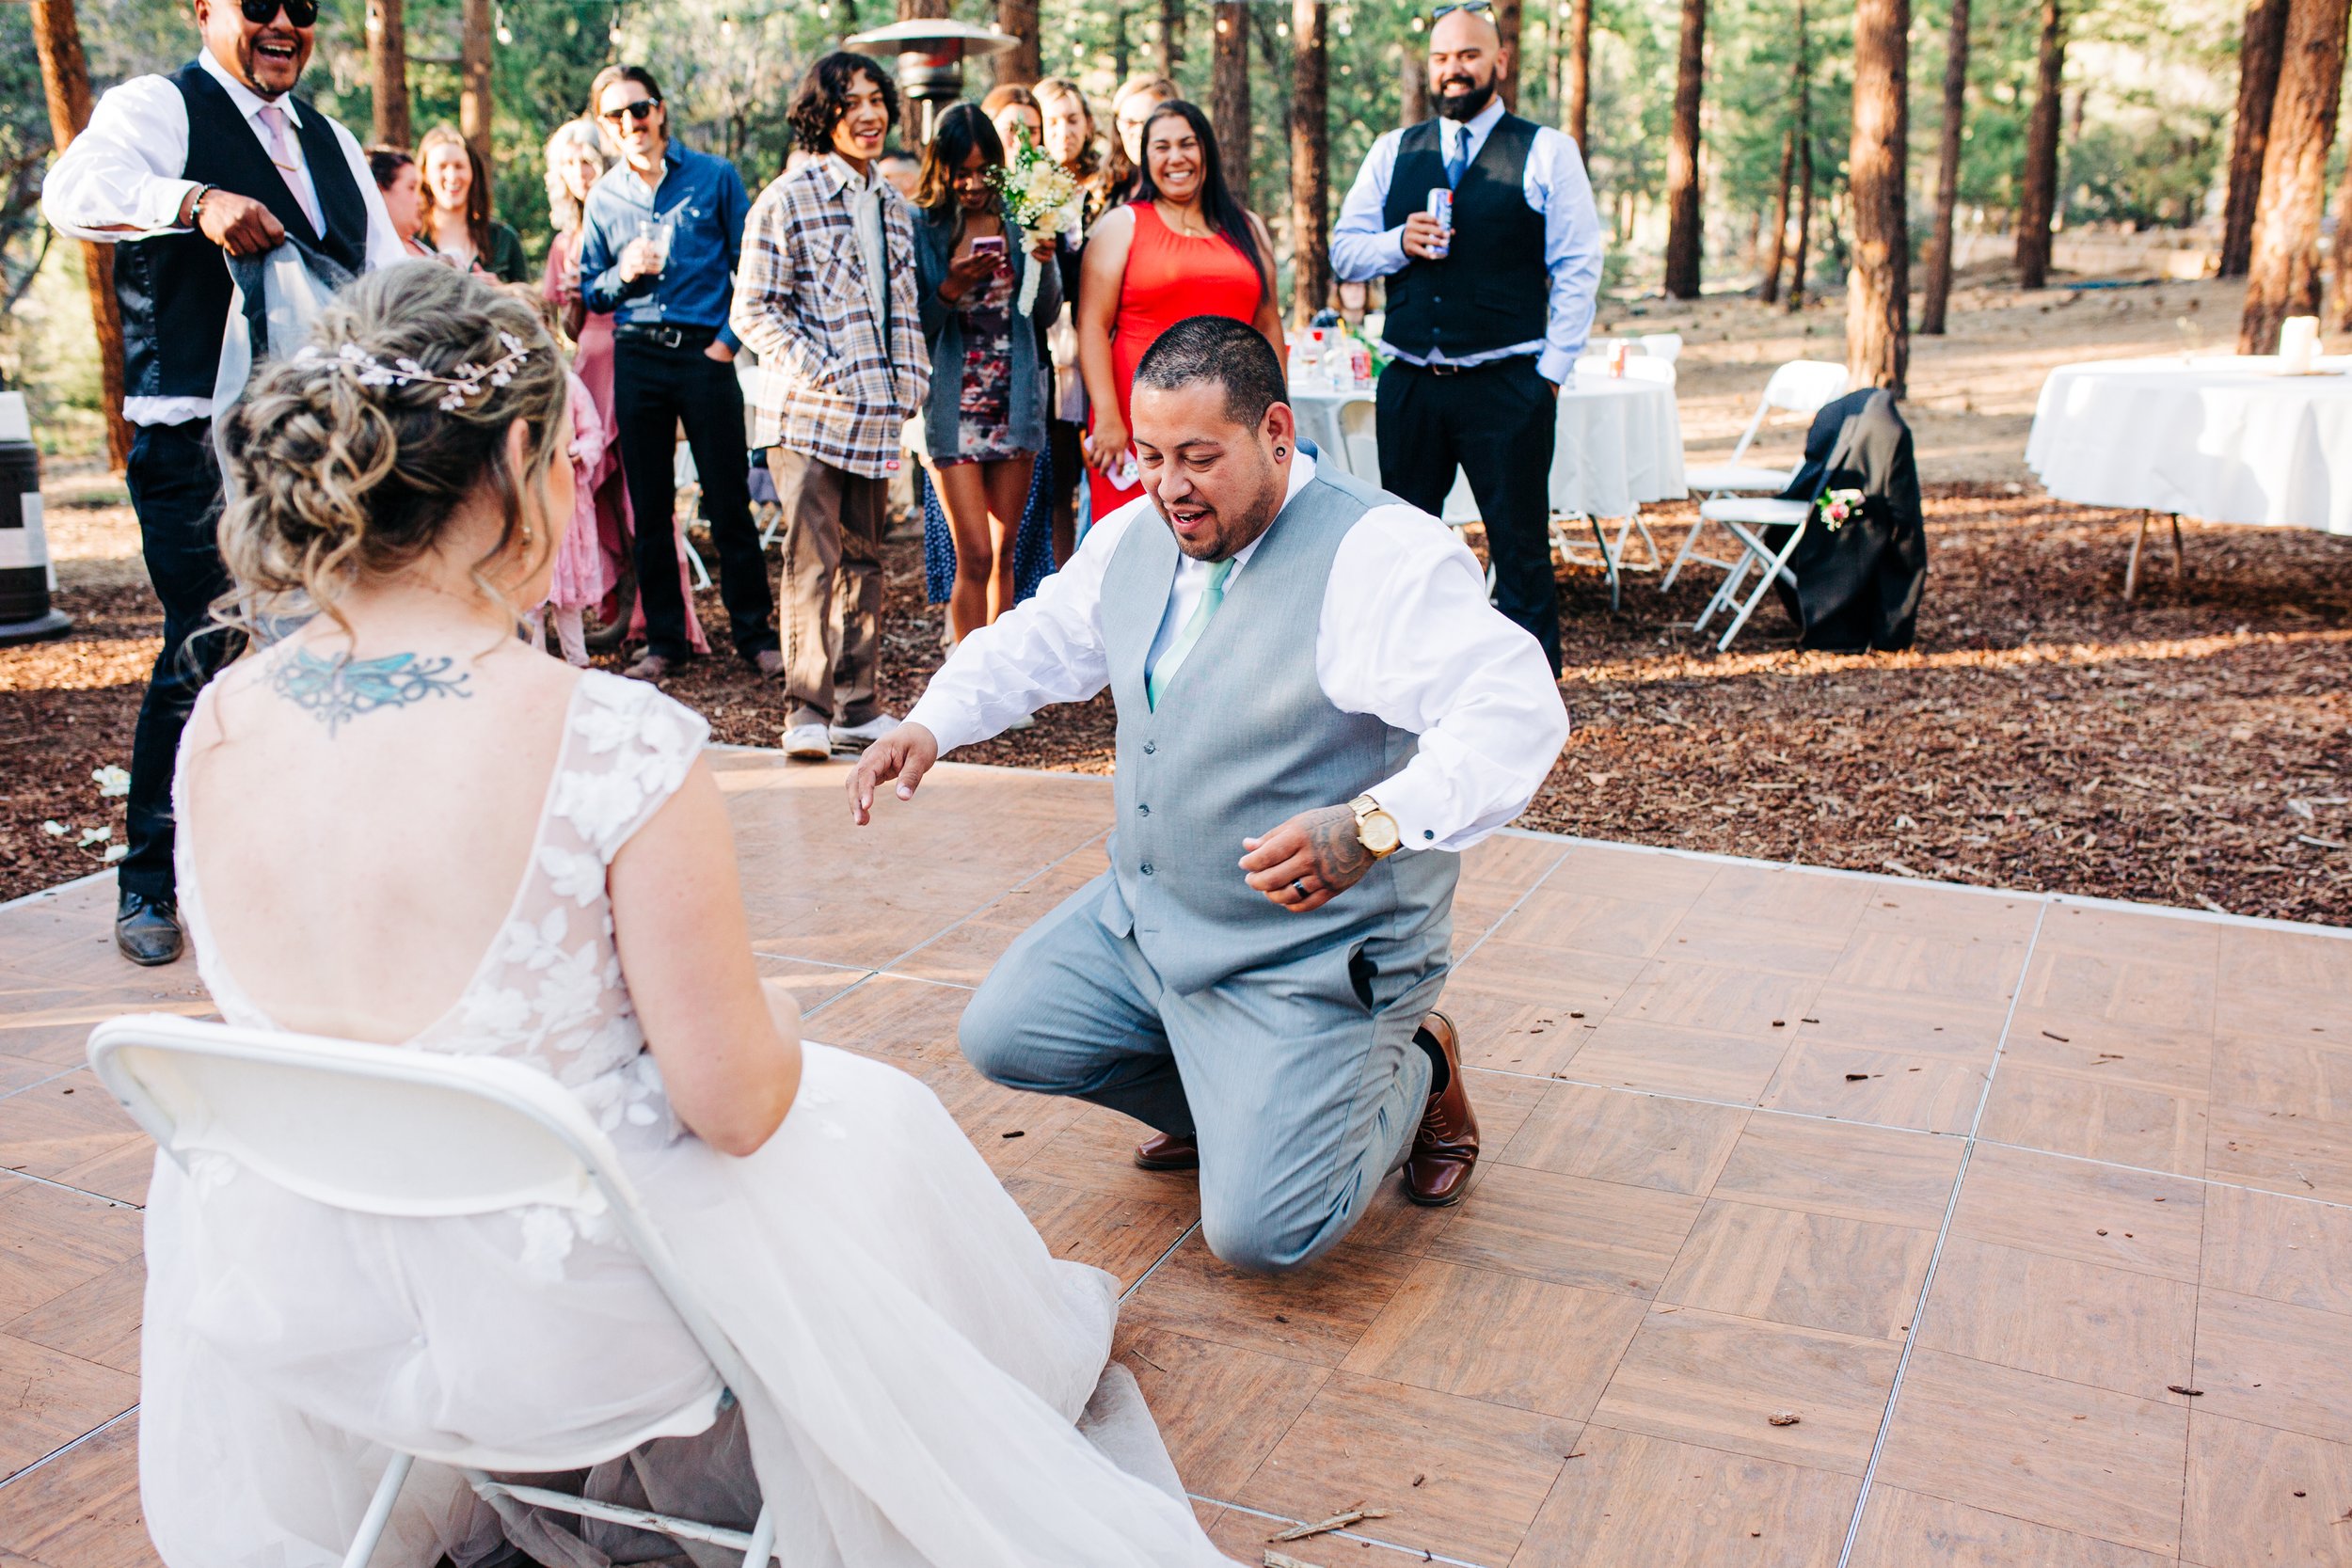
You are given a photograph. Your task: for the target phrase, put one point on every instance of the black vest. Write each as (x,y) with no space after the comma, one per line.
(1492,290)
(174,288)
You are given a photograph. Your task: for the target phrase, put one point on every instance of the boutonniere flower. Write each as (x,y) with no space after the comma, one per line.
(1837,506)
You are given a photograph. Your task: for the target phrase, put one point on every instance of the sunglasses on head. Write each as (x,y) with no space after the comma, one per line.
(302,13)
(639,109)
(1444,11)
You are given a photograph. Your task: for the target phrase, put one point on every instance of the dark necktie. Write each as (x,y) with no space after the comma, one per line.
(1458,158)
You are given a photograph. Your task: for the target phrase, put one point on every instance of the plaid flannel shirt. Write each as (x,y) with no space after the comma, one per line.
(827,385)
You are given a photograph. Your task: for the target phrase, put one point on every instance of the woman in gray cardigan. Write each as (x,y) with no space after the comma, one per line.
(984,422)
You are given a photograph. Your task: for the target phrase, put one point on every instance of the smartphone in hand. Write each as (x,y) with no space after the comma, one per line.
(992,246)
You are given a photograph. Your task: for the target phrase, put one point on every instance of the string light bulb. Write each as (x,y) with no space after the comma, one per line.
(505,34)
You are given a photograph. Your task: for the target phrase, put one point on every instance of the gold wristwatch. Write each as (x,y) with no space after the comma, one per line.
(1375,830)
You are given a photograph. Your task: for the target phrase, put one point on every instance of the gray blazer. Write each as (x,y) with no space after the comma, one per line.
(942,329)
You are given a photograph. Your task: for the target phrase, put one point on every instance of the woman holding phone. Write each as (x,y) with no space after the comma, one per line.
(984,421)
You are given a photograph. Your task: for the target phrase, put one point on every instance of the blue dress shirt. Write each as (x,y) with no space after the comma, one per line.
(1556,186)
(705,201)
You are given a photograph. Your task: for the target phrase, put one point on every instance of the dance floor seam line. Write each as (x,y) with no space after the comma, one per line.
(1935,1258)
(68,1187)
(63,1449)
(1425,1553)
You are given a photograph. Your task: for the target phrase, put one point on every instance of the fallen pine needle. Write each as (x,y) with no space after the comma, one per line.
(1283,1559)
(1338,1521)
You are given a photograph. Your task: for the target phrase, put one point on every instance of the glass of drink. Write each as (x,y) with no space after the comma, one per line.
(655,232)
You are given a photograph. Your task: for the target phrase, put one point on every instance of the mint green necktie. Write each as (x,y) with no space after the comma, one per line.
(1211,597)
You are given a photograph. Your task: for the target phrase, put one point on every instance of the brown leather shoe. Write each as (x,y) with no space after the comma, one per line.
(1445,1150)
(1161,1152)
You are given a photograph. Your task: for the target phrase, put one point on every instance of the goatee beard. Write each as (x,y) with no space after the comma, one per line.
(1466,105)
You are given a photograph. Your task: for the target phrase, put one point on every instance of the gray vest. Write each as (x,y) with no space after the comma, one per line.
(1243,741)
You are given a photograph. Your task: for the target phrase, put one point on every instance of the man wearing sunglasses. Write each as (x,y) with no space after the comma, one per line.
(174,171)
(662,233)
(1485,331)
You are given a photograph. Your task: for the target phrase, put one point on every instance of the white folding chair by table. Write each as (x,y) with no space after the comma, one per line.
(1799,386)
(1745,517)
(378,1130)
(689,485)
(1359,432)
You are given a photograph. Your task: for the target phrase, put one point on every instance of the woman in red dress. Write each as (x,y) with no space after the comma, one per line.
(1184,247)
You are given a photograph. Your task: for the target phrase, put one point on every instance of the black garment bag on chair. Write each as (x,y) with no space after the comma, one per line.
(1858,582)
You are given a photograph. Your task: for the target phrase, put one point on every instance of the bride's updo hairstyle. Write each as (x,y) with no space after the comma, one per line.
(348,460)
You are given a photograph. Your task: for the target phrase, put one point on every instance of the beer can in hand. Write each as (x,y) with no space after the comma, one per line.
(1441,208)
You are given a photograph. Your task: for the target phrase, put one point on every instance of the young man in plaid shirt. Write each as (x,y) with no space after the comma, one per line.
(825,293)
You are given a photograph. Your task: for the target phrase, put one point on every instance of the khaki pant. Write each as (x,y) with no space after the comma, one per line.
(830,594)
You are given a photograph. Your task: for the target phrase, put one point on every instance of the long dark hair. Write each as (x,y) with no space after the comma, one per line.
(1226,216)
(823,98)
(958,133)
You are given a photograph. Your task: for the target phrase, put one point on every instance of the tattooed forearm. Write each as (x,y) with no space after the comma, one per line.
(334,691)
(1339,856)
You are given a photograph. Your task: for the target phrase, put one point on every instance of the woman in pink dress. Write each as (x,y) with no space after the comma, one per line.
(575,161)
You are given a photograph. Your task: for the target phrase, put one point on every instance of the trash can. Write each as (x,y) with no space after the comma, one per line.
(26,576)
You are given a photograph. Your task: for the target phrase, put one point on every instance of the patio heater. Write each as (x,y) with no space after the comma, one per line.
(931,52)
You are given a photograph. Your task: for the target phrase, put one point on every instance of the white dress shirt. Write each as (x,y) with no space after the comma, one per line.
(1406,635)
(123,179)
(1556,186)
(864,196)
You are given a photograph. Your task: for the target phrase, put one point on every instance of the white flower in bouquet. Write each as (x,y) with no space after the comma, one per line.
(1037,195)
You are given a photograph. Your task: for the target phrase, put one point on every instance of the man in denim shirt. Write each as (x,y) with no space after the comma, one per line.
(663,229)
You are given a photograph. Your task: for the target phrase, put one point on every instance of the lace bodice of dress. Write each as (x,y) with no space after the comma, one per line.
(548,991)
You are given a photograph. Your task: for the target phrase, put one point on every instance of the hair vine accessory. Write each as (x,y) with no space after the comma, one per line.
(470,381)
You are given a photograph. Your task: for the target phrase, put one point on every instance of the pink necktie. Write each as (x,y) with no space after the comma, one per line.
(281,153)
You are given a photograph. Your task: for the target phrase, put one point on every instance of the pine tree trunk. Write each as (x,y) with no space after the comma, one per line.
(2282,275)
(474,106)
(1025,61)
(1171,37)
(915,10)
(1805,168)
(1578,89)
(2037,201)
(1939,256)
(1310,159)
(1508,16)
(1878,289)
(65,82)
(1229,94)
(2260,43)
(388,70)
(2339,317)
(1685,237)
(1413,104)
(1775,259)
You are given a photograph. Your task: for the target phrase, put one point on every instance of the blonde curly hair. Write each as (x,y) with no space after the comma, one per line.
(336,480)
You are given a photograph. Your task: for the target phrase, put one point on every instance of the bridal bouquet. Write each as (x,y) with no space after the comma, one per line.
(1038,195)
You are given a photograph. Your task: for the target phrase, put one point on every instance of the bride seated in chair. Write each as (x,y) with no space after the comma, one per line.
(402,825)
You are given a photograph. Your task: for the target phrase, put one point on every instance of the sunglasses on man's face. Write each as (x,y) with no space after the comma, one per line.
(637,109)
(300,13)
(1444,11)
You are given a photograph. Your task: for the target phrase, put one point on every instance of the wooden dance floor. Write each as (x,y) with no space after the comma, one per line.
(1824,1219)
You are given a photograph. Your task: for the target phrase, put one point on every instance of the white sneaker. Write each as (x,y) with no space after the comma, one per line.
(809,742)
(856,737)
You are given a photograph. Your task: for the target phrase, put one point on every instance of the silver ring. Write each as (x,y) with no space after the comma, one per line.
(1299,887)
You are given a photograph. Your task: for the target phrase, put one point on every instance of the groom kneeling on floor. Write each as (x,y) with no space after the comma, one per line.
(1318,710)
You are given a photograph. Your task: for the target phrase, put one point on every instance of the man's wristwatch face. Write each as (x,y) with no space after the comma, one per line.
(1375,829)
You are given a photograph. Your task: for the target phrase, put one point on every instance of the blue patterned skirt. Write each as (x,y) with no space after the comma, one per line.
(1032,545)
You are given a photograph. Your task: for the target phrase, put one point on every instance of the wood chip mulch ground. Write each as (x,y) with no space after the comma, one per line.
(2191,748)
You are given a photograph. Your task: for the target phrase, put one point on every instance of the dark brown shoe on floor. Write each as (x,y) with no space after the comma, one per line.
(1162,1153)
(770,663)
(1445,1150)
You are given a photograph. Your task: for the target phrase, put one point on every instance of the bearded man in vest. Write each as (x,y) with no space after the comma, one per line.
(179,172)
(1318,711)
(1486,317)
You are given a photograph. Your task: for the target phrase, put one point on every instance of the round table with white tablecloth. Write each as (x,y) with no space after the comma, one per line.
(2226,440)
(1619,444)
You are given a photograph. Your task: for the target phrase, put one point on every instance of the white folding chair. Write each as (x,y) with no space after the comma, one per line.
(1799,386)
(689,485)
(1662,345)
(1744,517)
(378,1130)
(1359,432)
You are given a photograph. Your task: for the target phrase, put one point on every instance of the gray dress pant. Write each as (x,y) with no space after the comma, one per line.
(1301,1080)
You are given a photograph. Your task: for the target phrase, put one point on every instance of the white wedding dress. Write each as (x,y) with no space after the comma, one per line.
(920,1360)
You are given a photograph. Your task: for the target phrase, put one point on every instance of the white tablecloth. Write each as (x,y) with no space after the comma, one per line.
(1619,444)
(2225,439)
